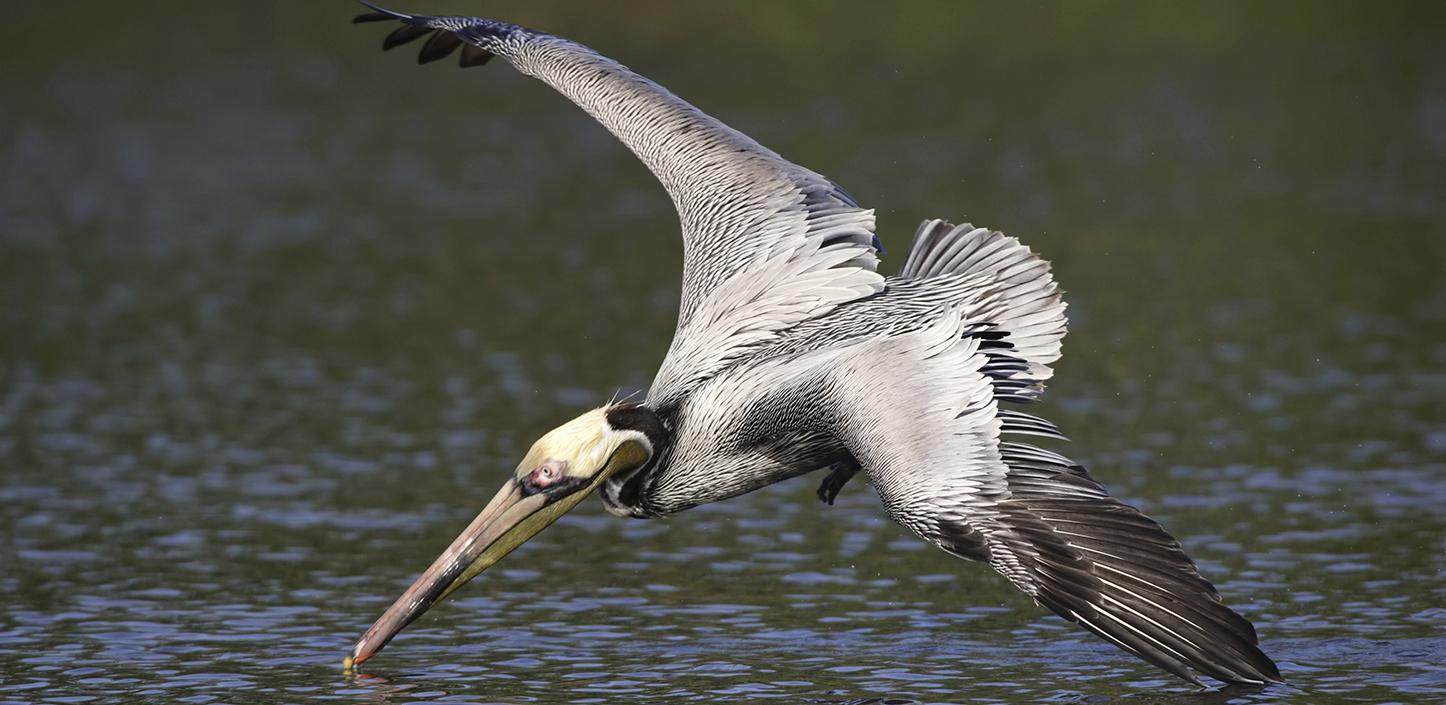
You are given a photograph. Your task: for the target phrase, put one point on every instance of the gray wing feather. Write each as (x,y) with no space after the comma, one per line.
(1002,287)
(1031,313)
(920,414)
(766,243)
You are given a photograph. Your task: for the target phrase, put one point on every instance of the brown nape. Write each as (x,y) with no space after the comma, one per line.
(633,416)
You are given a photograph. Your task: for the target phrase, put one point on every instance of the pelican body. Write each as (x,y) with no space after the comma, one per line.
(792,354)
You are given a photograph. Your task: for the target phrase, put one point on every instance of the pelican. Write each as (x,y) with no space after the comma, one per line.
(792,354)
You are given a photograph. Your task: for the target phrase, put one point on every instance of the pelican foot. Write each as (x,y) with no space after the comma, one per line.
(838,476)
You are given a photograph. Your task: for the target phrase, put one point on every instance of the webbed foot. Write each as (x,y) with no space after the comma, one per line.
(839,475)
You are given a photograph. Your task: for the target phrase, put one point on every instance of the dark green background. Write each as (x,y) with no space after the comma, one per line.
(278,312)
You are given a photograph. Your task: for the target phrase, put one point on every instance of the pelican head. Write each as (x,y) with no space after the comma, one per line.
(563,468)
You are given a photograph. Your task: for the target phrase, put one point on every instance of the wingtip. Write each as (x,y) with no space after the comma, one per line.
(440,46)
(473,55)
(404,34)
(379,13)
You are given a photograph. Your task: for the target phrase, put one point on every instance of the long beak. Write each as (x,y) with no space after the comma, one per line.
(507,522)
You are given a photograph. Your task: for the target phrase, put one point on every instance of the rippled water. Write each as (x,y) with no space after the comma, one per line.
(278,313)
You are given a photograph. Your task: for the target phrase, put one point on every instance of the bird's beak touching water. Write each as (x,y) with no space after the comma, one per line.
(510,519)
(564,467)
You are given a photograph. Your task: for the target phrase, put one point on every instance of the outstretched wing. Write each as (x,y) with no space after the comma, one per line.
(766,243)
(919,413)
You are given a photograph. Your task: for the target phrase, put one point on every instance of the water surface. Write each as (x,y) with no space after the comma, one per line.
(279,312)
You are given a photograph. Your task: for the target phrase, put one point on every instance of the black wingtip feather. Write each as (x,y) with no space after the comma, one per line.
(382,12)
(473,55)
(442,43)
(1119,574)
(1143,648)
(403,35)
(440,46)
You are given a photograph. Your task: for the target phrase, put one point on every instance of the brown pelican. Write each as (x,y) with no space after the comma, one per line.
(793,354)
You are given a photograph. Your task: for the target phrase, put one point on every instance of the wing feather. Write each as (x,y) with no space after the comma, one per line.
(920,415)
(759,232)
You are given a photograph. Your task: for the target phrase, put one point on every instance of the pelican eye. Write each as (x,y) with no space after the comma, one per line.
(546,476)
